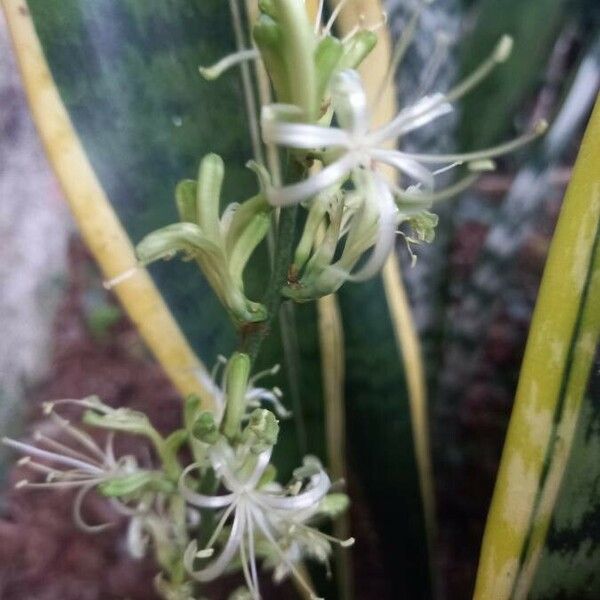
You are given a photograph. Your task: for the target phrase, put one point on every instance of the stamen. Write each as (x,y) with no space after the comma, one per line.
(319,16)
(266,373)
(442,43)
(83,438)
(334,15)
(500,54)
(252,550)
(406,38)
(244,561)
(115,281)
(230,61)
(64,449)
(220,525)
(206,553)
(488,153)
(52,456)
(362,27)
(313,531)
(264,528)
(415,202)
(447,168)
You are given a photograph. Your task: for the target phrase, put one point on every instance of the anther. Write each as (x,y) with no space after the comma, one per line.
(540,127)
(503,49)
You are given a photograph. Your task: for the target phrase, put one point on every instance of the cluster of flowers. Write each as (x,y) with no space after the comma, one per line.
(231,478)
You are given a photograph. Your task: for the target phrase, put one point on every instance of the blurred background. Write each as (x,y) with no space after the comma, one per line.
(127,73)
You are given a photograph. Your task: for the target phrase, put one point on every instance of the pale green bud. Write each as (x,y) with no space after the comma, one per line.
(210,182)
(311,466)
(185,199)
(253,234)
(327,58)
(262,430)
(165,243)
(333,505)
(267,35)
(288,53)
(424,224)
(206,429)
(356,49)
(236,383)
(268,8)
(191,409)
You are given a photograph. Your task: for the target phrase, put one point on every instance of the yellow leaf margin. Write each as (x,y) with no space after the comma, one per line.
(97,222)
(564,329)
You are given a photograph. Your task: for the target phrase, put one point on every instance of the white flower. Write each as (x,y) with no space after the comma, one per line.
(255,395)
(83,466)
(353,147)
(265,513)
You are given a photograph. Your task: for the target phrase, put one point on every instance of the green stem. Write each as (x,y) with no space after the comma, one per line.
(282,260)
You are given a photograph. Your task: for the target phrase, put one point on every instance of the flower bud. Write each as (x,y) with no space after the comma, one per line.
(236,383)
(267,36)
(220,246)
(165,243)
(206,429)
(424,224)
(210,182)
(185,199)
(357,48)
(262,430)
(333,505)
(287,42)
(327,57)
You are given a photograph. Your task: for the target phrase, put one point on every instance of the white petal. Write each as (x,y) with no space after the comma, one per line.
(218,566)
(202,500)
(299,135)
(418,115)
(407,165)
(350,102)
(307,499)
(261,464)
(386,235)
(298,192)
